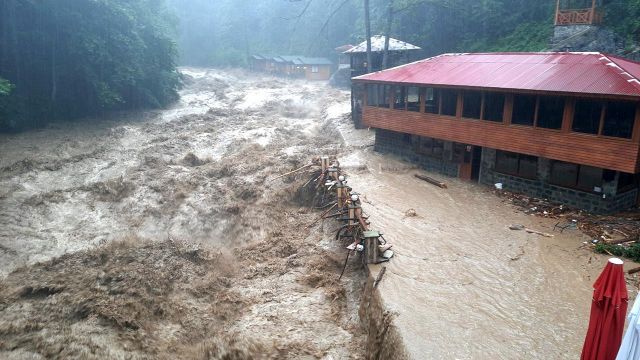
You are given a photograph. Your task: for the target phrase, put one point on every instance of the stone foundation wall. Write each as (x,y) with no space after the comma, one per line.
(540,188)
(399,144)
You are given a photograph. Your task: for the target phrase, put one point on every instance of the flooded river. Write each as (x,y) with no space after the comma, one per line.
(461,285)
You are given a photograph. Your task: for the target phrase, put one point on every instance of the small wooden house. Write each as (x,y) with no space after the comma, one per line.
(561,126)
(258,63)
(316,68)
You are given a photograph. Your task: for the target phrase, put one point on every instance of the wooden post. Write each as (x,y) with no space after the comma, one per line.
(325,163)
(370,247)
(557,11)
(340,192)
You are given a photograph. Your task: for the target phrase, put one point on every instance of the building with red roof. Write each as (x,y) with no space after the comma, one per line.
(562,126)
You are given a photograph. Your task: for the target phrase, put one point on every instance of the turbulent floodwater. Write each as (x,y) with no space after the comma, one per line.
(203,252)
(73,185)
(462,286)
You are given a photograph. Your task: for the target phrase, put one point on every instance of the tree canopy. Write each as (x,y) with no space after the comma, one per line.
(69,58)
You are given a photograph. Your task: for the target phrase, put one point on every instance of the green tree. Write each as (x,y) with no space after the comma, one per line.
(69,59)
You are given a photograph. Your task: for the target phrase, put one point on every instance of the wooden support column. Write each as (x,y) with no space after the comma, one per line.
(508,109)
(636,127)
(567,116)
(459,105)
(423,97)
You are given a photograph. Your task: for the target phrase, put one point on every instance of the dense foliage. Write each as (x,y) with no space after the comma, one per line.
(69,58)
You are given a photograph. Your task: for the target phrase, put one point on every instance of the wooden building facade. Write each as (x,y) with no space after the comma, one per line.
(562,126)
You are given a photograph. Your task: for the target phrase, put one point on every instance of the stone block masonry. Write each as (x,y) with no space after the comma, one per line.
(401,145)
(607,202)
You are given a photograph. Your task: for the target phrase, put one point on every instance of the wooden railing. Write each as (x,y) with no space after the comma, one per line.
(578,17)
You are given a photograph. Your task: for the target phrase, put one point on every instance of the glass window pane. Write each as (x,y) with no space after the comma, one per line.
(506,162)
(589,178)
(550,112)
(528,166)
(472,100)
(384,96)
(524,109)
(493,107)
(372,95)
(564,174)
(586,118)
(449,102)
(399,97)
(619,118)
(438,148)
(432,100)
(413,98)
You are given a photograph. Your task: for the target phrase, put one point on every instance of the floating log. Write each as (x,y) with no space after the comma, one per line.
(433,181)
(379,277)
(633,271)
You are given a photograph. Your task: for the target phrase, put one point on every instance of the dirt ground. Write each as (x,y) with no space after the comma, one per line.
(150,235)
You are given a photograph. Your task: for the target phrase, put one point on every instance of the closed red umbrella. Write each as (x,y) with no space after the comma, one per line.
(608,312)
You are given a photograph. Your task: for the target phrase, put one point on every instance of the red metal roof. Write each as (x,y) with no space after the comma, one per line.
(586,73)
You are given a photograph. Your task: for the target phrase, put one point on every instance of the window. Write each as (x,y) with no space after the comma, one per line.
(524,109)
(516,164)
(449,102)
(413,98)
(472,103)
(550,112)
(430,147)
(493,107)
(314,69)
(432,101)
(564,174)
(589,178)
(372,95)
(586,118)
(399,99)
(626,182)
(384,96)
(619,119)
(582,177)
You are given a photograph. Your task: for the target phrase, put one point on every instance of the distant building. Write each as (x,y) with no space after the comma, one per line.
(399,53)
(258,63)
(561,126)
(294,66)
(316,68)
(344,60)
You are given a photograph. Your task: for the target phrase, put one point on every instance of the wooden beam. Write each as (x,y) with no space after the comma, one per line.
(569,110)
(508,109)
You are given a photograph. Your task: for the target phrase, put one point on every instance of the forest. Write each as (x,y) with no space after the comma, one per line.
(70,59)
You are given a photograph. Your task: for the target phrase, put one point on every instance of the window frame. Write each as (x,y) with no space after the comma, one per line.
(519,161)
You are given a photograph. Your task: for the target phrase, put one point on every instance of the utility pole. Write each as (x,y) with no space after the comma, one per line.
(367,24)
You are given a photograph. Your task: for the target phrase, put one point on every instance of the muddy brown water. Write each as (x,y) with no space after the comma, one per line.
(162,233)
(196,181)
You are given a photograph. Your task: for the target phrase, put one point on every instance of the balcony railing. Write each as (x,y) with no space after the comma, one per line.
(578,17)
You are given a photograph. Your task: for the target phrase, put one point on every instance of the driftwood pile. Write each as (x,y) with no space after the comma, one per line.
(622,228)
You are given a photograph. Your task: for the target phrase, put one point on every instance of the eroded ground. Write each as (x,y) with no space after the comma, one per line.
(167,233)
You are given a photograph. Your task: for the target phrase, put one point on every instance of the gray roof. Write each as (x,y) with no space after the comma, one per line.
(377,45)
(315,61)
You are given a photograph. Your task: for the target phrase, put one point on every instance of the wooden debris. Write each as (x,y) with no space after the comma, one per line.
(531,231)
(292,172)
(633,271)
(379,277)
(433,181)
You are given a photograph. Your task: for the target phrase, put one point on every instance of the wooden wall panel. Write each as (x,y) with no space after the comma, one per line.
(608,153)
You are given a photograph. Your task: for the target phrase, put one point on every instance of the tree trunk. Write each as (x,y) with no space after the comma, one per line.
(367,24)
(387,34)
